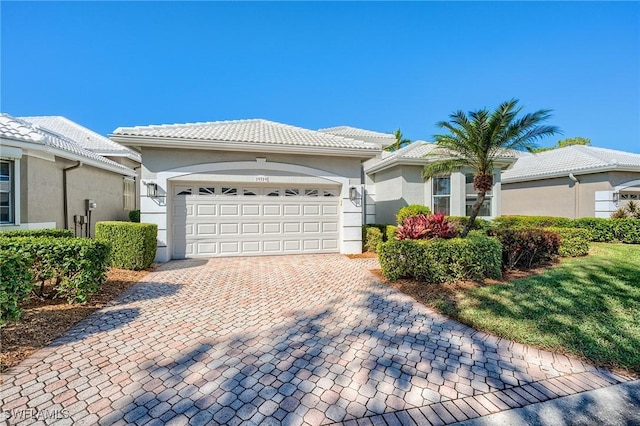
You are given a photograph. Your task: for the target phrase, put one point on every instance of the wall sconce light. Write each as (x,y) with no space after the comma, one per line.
(353,193)
(152,190)
(616,197)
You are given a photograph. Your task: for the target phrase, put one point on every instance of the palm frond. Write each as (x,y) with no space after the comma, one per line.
(440,167)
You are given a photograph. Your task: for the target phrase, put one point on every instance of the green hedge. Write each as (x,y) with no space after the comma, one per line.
(627,230)
(373,238)
(411,210)
(133,245)
(15,285)
(461,221)
(435,261)
(602,230)
(134,216)
(574,242)
(519,221)
(47,232)
(391,232)
(77,266)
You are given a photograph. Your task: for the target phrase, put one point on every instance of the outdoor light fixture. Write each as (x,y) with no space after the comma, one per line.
(353,193)
(616,197)
(152,190)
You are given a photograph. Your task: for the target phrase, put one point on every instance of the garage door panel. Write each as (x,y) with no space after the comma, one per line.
(272,210)
(229,229)
(206,229)
(206,210)
(272,228)
(257,221)
(250,228)
(251,210)
(291,228)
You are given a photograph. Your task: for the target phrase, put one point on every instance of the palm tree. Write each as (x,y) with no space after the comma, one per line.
(478,138)
(399,143)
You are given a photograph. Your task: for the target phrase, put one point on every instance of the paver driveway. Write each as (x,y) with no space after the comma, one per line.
(300,339)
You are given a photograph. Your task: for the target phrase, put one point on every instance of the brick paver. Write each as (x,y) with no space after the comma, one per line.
(308,339)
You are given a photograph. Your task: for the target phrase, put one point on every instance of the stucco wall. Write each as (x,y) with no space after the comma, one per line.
(164,166)
(42,192)
(388,194)
(560,196)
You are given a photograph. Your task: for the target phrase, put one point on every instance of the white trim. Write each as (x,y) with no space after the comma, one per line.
(625,185)
(565,173)
(10,153)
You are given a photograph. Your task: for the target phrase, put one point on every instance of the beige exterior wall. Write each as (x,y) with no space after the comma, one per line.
(560,196)
(42,199)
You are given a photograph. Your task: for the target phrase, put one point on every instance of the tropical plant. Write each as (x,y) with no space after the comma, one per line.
(478,138)
(425,227)
(400,142)
(631,210)
(578,140)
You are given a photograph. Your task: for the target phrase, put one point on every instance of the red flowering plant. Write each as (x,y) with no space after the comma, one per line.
(426,227)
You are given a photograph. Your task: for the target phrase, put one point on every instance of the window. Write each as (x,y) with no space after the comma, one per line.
(271,192)
(229,191)
(291,192)
(442,195)
(472,196)
(249,191)
(311,192)
(330,193)
(206,190)
(129,194)
(624,196)
(6,192)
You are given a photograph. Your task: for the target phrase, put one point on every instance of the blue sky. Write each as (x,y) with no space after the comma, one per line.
(378,65)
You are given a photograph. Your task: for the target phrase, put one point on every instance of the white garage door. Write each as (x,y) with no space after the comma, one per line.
(210,220)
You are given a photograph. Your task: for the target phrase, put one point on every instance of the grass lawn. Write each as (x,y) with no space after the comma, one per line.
(587,306)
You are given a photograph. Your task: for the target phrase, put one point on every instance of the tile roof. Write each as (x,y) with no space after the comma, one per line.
(417,152)
(84,137)
(354,132)
(570,159)
(255,131)
(16,129)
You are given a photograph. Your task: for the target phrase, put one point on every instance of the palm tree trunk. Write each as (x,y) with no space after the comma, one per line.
(474,213)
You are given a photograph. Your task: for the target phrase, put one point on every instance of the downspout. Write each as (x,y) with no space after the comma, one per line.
(576,195)
(65,198)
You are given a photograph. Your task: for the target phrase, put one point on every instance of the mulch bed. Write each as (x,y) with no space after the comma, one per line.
(44,320)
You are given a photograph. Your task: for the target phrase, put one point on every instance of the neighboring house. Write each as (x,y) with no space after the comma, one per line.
(91,141)
(575,181)
(47,178)
(250,187)
(395,180)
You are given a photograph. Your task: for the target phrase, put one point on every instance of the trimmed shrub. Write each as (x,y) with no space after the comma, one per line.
(47,232)
(461,221)
(374,237)
(133,245)
(391,233)
(436,261)
(15,284)
(517,221)
(411,210)
(525,248)
(574,242)
(134,216)
(627,230)
(602,230)
(425,227)
(77,266)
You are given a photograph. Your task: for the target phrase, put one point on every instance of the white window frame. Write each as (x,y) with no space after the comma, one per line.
(434,195)
(129,193)
(14,188)
(473,196)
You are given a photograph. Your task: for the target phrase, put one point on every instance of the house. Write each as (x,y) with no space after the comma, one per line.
(381,139)
(574,181)
(48,180)
(92,141)
(250,187)
(395,180)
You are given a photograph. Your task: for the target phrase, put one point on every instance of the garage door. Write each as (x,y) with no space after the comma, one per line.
(211,220)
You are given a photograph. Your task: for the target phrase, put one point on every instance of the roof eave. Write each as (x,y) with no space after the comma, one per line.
(123,170)
(378,167)
(130,155)
(609,168)
(218,145)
